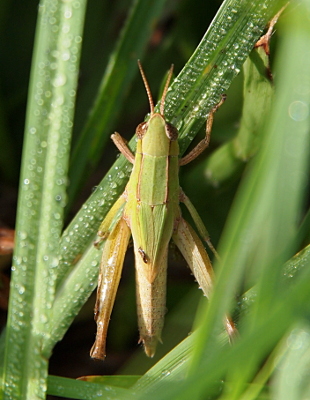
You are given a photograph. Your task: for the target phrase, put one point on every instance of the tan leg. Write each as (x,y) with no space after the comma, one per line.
(201,146)
(198,222)
(121,144)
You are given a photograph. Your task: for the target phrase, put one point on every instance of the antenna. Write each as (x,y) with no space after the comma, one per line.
(163,97)
(147,88)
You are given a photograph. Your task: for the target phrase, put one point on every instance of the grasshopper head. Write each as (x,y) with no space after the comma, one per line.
(157,123)
(156,133)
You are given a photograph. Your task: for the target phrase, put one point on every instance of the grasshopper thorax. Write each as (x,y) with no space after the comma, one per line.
(157,137)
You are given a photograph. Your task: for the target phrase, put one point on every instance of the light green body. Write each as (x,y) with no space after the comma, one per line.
(152,212)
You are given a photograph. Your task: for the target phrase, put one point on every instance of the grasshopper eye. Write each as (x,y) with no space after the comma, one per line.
(171,131)
(141,129)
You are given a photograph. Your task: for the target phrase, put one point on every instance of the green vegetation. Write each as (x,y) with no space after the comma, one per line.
(250,189)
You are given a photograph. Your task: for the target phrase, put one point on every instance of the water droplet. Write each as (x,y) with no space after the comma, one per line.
(298,339)
(21,289)
(54,261)
(68,13)
(65,28)
(59,80)
(43,318)
(298,110)
(77,287)
(22,235)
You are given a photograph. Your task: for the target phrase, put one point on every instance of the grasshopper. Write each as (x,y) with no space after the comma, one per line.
(149,211)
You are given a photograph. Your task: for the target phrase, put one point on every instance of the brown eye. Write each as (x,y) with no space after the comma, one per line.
(141,129)
(171,131)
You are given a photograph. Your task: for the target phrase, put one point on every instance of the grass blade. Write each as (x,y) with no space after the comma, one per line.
(42,196)
(80,390)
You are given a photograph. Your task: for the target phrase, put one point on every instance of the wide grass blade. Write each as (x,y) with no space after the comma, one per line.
(42,196)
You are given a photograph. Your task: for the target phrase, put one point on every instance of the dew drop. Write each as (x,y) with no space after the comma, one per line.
(68,13)
(21,289)
(77,287)
(59,80)
(22,235)
(298,110)
(66,28)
